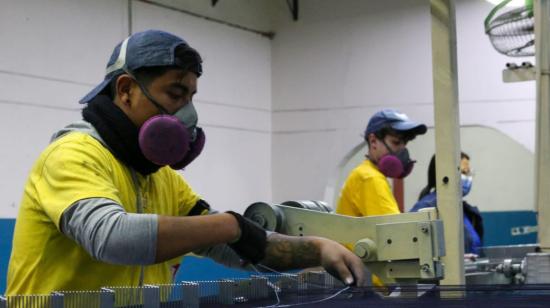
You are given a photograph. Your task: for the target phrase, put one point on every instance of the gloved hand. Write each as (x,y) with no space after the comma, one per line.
(253,240)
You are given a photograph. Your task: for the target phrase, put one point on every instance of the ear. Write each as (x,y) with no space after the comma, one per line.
(124,86)
(373,141)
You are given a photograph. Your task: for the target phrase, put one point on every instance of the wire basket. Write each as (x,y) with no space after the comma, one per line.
(512,31)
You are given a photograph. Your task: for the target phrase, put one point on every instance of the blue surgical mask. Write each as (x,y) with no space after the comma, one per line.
(466,184)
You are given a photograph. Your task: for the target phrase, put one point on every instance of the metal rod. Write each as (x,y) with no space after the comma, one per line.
(295,7)
(129,17)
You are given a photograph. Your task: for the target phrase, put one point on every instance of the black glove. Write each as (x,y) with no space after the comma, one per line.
(253,241)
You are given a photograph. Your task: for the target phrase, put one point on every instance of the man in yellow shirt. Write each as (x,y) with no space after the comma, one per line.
(366,191)
(104,206)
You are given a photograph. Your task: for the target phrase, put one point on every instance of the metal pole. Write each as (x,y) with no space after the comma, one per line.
(130,17)
(447,137)
(542,146)
(151,296)
(106,298)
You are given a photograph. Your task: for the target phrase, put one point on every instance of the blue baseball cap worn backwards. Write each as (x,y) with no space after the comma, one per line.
(398,121)
(143,49)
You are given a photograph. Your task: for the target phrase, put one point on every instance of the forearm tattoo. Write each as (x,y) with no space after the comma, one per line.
(285,252)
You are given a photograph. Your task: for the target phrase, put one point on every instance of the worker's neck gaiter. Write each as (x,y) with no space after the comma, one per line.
(119,133)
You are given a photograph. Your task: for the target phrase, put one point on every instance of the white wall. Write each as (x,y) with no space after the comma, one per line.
(344,60)
(503,170)
(252,14)
(53,52)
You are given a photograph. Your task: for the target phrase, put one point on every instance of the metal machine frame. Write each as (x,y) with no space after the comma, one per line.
(400,248)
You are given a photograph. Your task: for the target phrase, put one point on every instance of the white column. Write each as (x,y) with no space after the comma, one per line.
(542,146)
(447,137)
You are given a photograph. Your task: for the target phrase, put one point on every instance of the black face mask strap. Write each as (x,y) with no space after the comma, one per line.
(403,154)
(147,94)
(387,147)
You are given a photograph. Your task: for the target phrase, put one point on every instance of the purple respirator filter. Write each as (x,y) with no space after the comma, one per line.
(164,140)
(391,166)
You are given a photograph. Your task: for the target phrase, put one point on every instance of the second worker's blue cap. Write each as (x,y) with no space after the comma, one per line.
(396,120)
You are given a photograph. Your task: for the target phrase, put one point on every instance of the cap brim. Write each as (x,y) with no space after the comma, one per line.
(410,127)
(95,91)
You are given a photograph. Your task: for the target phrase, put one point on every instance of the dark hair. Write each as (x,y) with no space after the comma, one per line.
(431,175)
(388,130)
(189,57)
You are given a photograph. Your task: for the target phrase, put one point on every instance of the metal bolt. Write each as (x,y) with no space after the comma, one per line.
(424,229)
(259,219)
(425,268)
(365,249)
(361,251)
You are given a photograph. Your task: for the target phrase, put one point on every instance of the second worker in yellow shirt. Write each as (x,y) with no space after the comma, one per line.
(366,191)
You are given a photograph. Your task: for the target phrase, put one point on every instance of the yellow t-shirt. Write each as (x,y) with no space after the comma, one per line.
(72,168)
(366,193)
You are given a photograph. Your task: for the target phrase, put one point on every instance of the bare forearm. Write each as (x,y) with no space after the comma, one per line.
(180,235)
(290,252)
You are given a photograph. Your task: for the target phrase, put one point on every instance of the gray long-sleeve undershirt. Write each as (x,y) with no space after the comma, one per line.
(110,234)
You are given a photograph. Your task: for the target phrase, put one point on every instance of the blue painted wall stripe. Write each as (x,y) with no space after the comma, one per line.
(6,236)
(509,228)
